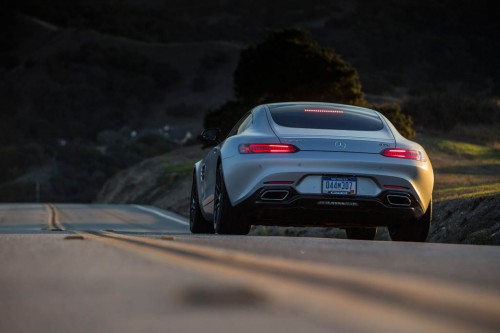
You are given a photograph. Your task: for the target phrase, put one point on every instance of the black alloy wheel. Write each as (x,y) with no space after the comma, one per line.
(226,221)
(414,230)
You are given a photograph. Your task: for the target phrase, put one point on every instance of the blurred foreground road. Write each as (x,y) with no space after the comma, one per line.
(126,268)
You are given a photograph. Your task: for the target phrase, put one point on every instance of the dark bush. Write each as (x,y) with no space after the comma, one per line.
(214,60)
(81,172)
(226,116)
(402,121)
(287,66)
(15,160)
(18,192)
(150,145)
(446,109)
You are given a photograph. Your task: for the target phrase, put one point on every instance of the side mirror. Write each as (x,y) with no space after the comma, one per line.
(211,135)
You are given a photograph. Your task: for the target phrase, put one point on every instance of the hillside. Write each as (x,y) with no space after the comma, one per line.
(163,181)
(91,87)
(82,105)
(103,81)
(397,46)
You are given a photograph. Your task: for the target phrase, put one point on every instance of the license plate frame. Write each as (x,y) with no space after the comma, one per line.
(338,185)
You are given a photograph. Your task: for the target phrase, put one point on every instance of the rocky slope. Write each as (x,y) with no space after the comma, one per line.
(467,221)
(163,181)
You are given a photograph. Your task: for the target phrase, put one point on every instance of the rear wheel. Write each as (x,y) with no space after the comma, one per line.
(197,223)
(415,230)
(226,220)
(361,233)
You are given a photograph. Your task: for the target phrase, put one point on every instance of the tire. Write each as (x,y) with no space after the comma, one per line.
(415,230)
(361,233)
(197,223)
(226,220)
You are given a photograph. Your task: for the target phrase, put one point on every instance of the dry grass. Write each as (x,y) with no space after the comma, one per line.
(489,135)
(466,191)
(466,161)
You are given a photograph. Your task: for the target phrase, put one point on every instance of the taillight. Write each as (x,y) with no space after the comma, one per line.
(403,153)
(263,148)
(324,111)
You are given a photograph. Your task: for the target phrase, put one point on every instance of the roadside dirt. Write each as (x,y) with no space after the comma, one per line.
(163,181)
(467,221)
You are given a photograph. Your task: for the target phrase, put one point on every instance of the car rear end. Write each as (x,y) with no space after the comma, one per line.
(329,165)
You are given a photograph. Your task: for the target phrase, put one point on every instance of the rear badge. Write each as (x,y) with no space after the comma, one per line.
(337,203)
(340,145)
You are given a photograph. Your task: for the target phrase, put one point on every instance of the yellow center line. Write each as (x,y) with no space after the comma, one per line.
(54,223)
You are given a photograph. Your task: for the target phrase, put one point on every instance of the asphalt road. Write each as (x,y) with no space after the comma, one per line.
(126,268)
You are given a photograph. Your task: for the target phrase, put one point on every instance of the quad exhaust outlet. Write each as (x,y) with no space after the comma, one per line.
(274,195)
(398,200)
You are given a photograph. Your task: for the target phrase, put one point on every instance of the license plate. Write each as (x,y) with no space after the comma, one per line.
(339,185)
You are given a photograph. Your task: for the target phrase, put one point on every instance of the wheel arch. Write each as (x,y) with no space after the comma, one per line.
(197,177)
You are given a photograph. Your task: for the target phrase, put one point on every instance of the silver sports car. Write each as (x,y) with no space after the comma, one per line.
(313,164)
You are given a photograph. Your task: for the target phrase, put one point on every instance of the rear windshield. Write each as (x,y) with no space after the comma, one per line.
(326,118)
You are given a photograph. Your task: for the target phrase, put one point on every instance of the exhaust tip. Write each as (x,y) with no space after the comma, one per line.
(398,200)
(274,195)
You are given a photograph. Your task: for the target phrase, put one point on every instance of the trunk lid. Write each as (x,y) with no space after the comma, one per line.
(359,143)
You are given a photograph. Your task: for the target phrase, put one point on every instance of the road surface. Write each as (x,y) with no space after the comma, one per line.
(129,268)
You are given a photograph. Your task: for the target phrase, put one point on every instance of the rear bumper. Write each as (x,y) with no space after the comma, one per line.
(245,175)
(297,209)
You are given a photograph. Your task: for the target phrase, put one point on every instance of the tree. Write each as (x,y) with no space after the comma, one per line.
(400,120)
(226,116)
(288,66)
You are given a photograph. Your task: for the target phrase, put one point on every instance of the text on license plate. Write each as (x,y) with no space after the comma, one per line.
(339,185)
